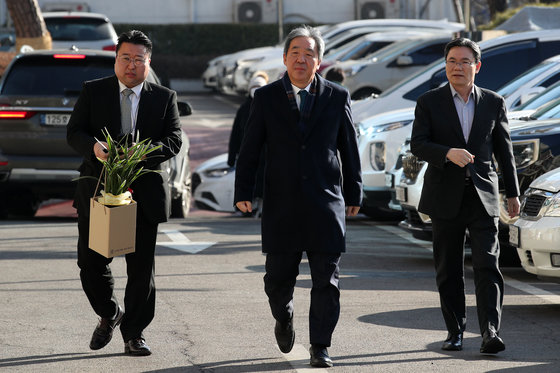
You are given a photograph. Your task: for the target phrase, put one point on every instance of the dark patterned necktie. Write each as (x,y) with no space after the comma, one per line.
(302,95)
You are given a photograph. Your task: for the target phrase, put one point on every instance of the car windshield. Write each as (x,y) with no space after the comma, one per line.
(515,84)
(49,76)
(411,78)
(78,28)
(542,98)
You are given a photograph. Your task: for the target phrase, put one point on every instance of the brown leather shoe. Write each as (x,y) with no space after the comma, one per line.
(137,347)
(104,331)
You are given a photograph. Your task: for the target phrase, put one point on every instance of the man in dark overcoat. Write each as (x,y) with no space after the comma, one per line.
(312,180)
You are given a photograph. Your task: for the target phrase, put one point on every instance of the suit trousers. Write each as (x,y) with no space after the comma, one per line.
(98,282)
(448,243)
(282,270)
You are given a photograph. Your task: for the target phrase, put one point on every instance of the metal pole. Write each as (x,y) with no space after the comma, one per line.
(280,20)
(467,15)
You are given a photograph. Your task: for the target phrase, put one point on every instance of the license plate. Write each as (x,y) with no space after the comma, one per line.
(514,235)
(55,119)
(401,193)
(389,180)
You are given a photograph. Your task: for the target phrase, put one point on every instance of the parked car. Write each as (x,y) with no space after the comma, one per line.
(334,37)
(532,82)
(80,29)
(527,49)
(213,185)
(37,95)
(537,231)
(388,66)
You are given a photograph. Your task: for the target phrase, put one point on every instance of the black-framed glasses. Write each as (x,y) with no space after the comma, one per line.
(125,60)
(460,64)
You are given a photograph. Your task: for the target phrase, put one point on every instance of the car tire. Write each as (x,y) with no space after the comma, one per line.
(181,205)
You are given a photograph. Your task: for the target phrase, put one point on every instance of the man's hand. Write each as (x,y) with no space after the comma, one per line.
(352,210)
(244,206)
(513,206)
(100,150)
(460,157)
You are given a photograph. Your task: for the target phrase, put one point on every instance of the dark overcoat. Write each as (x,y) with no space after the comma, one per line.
(310,175)
(98,106)
(437,128)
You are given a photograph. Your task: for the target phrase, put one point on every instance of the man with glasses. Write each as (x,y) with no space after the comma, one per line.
(458,128)
(124,104)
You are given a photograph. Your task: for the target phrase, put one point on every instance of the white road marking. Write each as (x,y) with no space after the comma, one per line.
(181,242)
(299,360)
(533,290)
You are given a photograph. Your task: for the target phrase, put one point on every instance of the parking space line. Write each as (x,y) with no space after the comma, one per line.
(533,290)
(181,242)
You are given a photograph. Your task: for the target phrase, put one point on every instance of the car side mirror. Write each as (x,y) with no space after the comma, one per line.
(404,60)
(185,108)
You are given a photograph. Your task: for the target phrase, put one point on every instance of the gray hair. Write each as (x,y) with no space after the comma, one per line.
(308,32)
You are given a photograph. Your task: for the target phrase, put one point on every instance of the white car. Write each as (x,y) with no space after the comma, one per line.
(213,185)
(536,233)
(81,29)
(379,139)
(525,48)
(389,65)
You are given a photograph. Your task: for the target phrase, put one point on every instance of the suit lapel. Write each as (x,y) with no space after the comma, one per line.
(321,100)
(114,108)
(143,108)
(475,125)
(451,111)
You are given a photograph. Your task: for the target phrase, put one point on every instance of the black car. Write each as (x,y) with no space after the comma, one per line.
(37,95)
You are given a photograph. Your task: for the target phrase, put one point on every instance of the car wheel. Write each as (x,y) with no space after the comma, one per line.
(181,205)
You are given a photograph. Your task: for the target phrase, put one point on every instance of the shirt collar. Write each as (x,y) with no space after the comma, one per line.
(296,89)
(136,89)
(455,93)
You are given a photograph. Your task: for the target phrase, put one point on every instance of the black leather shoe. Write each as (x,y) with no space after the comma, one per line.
(320,357)
(104,331)
(491,343)
(454,342)
(137,347)
(285,335)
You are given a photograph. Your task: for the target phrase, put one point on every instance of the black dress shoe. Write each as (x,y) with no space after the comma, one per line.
(454,342)
(104,331)
(137,347)
(491,343)
(285,335)
(320,357)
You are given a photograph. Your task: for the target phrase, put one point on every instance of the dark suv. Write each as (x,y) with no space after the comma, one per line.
(37,95)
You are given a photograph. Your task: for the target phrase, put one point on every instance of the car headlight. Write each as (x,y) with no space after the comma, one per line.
(552,206)
(377,155)
(370,130)
(525,152)
(219,172)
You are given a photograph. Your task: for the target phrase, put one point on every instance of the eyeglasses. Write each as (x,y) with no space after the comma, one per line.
(453,63)
(125,60)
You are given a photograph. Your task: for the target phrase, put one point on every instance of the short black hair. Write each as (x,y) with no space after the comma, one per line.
(135,37)
(336,74)
(463,42)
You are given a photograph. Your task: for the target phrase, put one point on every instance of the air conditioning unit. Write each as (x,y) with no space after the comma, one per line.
(246,11)
(64,6)
(367,9)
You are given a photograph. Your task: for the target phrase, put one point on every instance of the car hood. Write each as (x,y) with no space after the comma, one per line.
(219,161)
(538,128)
(549,182)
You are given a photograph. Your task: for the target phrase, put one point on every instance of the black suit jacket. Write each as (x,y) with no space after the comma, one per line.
(437,128)
(158,119)
(305,191)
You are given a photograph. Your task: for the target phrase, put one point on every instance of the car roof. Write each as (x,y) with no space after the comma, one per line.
(443,24)
(71,14)
(51,52)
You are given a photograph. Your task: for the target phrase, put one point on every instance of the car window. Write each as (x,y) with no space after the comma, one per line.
(542,98)
(551,80)
(427,54)
(48,76)
(522,79)
(79,28)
